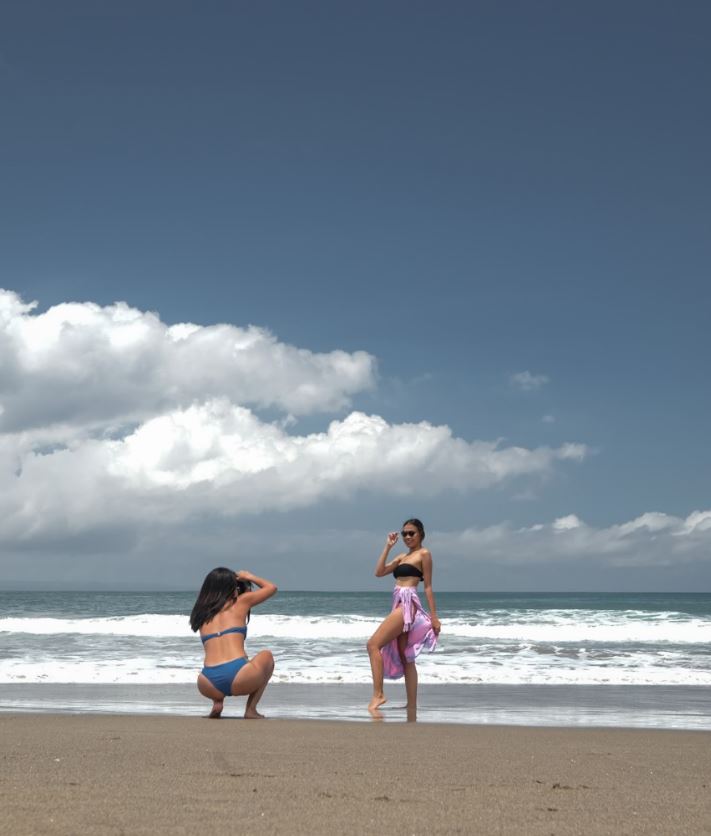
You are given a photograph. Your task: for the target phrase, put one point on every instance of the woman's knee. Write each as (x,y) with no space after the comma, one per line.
(372,645)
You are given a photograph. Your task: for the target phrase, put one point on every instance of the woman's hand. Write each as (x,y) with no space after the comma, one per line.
(391,540)
(436,624)
(265,589)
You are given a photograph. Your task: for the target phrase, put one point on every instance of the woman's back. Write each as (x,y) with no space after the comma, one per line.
(220,614)
(222,646)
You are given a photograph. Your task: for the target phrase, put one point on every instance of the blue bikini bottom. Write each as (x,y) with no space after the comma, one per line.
(222,676)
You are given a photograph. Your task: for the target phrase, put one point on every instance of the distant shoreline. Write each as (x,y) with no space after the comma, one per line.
(55,587)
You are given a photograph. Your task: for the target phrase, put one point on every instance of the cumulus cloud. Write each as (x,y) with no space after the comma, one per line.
(218,458)
(527,382)
(112,421)
(79,365)
(652,539)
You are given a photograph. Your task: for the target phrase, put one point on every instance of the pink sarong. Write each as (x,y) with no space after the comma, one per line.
(417,626)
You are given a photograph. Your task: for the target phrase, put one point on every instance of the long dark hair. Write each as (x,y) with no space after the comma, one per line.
(219,588)
(418,525)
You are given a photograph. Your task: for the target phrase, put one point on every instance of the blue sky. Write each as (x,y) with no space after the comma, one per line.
(464,191)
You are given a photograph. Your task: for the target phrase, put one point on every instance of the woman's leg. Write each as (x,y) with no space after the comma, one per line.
(410,675)
(207,689)
(250,711)
(390,629)
(252,679)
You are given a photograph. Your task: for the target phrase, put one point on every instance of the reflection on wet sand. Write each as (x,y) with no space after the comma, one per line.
(410,713)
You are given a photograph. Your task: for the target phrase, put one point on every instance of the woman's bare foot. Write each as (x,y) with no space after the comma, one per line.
(253,715)
(217,707)
(376,702)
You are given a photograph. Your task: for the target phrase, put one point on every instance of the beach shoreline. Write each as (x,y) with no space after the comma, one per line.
(608,706)
(107,774)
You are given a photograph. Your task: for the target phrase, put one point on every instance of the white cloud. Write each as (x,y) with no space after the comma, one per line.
(527,382)
(699,521)
(85,365)
(652,539)
(112,421)
(566,523)
(220,459)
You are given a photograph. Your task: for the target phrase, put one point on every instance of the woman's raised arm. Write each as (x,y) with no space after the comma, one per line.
(257,596)
(381,567)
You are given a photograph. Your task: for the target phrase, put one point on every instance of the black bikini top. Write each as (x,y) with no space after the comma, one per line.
(407,570)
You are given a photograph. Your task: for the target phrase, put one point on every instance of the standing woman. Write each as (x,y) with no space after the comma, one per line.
(221,613)
(394,646)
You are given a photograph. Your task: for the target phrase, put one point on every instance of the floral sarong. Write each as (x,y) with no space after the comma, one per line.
(417,626)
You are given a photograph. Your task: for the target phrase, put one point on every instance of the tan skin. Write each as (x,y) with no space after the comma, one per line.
(253,678)
(392,626)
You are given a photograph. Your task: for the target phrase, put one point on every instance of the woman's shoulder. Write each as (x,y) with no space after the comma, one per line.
(234,613)
(238,609)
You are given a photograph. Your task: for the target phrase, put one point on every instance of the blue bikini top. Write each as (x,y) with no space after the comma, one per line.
(242,630)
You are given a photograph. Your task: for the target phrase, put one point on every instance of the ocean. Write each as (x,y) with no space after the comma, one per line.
(543,659)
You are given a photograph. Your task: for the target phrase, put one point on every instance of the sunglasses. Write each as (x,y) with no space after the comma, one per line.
(408,533)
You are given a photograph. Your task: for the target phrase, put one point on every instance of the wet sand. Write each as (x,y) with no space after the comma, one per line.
(109,774)
(606,706)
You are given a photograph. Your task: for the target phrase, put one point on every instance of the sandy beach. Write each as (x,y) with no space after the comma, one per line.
(107,774)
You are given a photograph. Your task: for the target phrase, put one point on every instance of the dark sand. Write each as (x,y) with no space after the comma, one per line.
(108,774)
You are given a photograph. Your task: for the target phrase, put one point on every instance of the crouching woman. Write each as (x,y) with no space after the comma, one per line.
(221,613)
